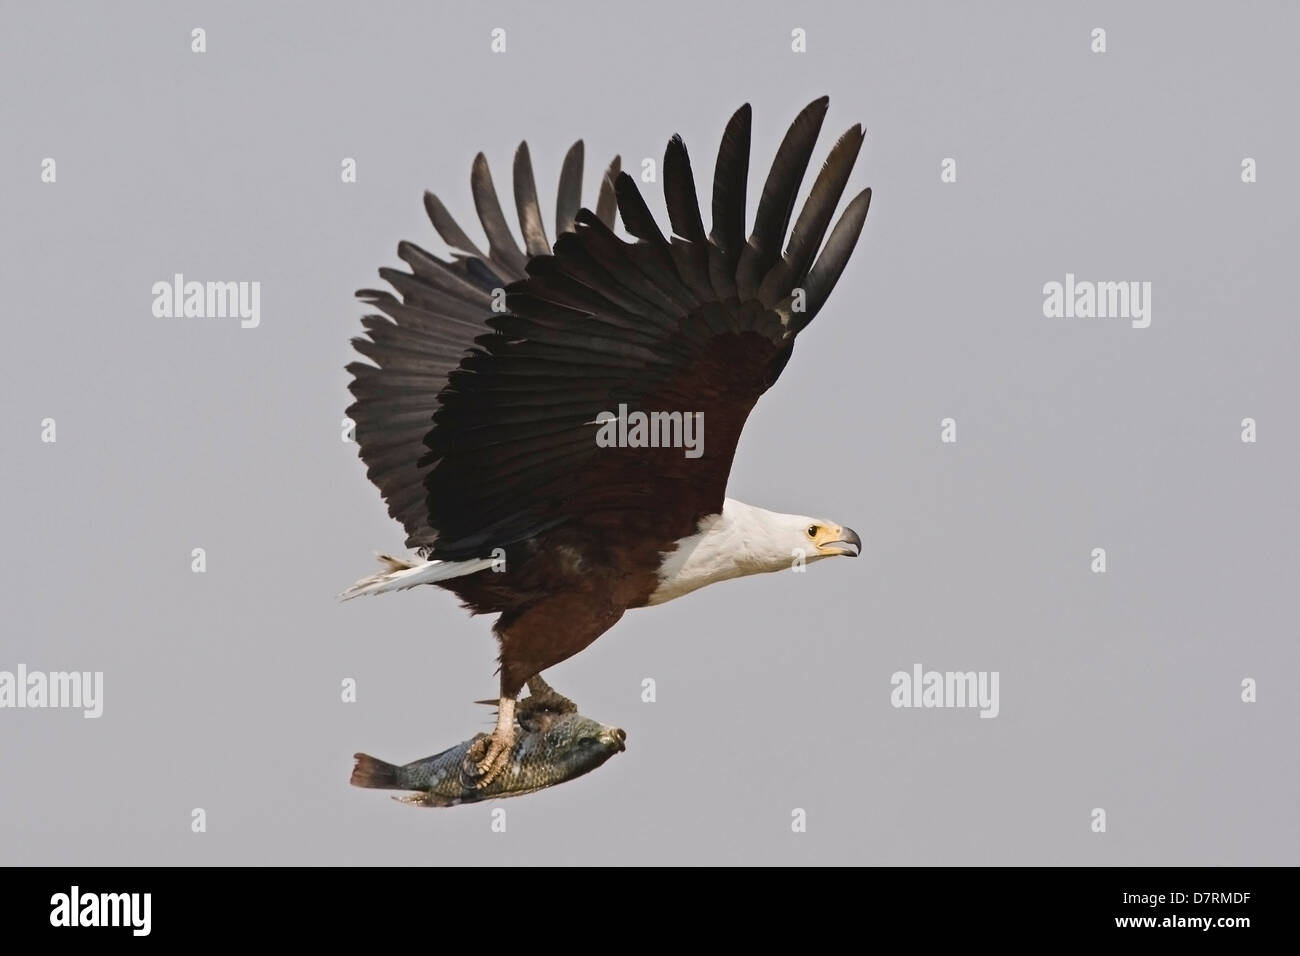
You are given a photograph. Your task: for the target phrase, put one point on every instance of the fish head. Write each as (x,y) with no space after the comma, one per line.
(580,744)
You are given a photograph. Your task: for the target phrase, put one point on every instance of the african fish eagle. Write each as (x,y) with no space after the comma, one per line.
(478,420)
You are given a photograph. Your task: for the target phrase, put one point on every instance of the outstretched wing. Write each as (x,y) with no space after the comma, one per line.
(692,324)
(444,305)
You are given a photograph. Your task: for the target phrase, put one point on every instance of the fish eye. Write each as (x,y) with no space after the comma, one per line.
(812,530)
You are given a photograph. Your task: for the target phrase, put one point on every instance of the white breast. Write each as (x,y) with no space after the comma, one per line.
(727,545)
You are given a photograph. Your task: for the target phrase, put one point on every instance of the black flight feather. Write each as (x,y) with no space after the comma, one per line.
(501,244)
(568,196)
(606,206)
(776,203)
(530,213)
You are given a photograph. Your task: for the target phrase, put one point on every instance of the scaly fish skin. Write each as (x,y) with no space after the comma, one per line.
(552,749)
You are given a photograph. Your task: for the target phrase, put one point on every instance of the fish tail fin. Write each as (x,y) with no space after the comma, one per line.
(398,574)
(375,773)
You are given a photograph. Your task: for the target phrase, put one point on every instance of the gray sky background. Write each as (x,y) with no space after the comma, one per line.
(1119,691)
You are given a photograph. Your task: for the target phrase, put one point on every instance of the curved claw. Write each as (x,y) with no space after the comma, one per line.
(486,759)
(542,696)
(487,756)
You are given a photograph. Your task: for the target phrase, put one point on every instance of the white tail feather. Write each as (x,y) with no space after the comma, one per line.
(398,574)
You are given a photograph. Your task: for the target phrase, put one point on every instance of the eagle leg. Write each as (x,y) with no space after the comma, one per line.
(533,639)
(488,756)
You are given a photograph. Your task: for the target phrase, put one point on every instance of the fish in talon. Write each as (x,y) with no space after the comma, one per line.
(551,749)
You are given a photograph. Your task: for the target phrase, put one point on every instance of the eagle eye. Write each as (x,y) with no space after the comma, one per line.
(812,530)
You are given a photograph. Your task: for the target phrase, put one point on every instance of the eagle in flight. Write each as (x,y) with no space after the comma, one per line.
(495,373)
